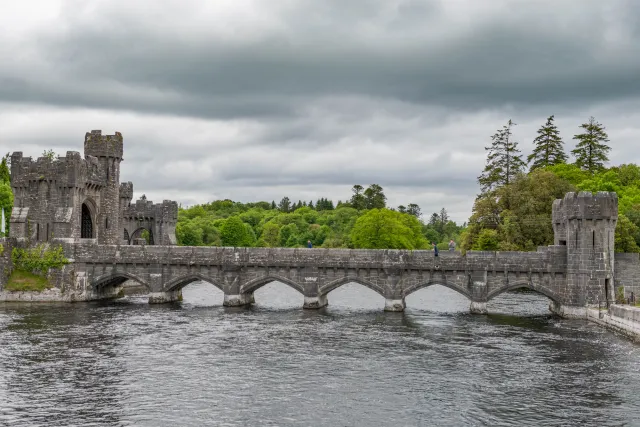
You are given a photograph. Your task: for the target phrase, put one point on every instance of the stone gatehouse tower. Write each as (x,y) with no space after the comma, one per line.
(81,198)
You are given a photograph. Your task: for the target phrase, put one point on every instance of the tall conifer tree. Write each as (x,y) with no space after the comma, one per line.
(591,150)
(504,162)
(548,149)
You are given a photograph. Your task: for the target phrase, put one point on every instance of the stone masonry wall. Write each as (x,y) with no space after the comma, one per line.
(627,273)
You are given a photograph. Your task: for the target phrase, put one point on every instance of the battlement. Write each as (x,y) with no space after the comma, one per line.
(71,170)
(585,205)
(167,211)
(126,190)
(98,145)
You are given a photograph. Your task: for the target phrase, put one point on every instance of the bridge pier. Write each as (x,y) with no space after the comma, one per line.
(394,304)
(568,312)
(478,307)
(315,302)
(238,300)
(164,297)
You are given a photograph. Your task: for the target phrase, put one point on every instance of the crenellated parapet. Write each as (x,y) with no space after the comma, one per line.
(98,145)
(69,171)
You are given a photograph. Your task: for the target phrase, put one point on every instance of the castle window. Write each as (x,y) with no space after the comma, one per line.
(106,223)
(37,231)
(47,238)
(86,224)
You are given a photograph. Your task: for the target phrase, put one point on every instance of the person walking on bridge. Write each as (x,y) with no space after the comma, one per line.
(435,249)
(452,245)
(309,245)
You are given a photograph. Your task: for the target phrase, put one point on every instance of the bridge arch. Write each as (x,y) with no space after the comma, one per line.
(524,284)
(115,279)
(255,284)
(182,281)
(442,282)
(331,286)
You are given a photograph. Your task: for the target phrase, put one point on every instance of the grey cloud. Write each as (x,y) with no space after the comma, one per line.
(320,95)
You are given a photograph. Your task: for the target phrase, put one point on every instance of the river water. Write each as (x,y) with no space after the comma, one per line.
(195,363)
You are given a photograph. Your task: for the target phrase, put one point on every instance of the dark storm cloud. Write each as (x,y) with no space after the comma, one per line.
(252,99)
(121,60)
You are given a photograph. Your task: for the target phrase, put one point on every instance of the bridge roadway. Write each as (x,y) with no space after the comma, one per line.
(98,271)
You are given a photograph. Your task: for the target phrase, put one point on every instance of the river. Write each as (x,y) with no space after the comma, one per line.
(196,363)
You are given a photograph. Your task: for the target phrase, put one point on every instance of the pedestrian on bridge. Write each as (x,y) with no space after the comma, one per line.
(435,249)
(452,245)
(309,245)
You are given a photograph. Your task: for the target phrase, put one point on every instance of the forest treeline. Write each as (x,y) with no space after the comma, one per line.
(363,221)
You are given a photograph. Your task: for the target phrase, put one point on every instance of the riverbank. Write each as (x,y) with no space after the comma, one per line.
(621,318)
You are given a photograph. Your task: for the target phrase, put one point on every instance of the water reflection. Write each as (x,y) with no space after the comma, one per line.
(197,363)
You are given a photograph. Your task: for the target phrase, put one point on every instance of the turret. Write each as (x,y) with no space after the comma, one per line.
(108,150)
(585,223)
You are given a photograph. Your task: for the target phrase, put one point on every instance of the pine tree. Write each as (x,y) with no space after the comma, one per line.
(402,209)
(374,197)
(414,209)
(358,199)
(273,205)
(591,151)
(284,205)
(503,160)
(548,149)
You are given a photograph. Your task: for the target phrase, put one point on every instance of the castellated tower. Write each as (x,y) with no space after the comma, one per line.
(69,197)
(107,149)
(585,223)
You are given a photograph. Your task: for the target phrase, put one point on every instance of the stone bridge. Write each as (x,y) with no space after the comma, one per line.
(239,272)
(576,272)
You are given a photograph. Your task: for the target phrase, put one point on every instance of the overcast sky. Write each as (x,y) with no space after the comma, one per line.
(255,100)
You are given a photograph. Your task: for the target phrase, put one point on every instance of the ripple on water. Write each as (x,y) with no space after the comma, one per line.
(197,363)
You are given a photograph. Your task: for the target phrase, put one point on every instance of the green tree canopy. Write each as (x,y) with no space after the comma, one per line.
(548,149)
(591,152)
(504,162)
(234,233)
(384,228)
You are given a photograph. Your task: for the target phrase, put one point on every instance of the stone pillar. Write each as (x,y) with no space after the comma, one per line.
(394,304)
(238,300)
(568,312)
(314,302)
(478,307)
(164,297)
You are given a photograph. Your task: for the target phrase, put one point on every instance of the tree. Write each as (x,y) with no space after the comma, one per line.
(358,200)
(284,205)
(234,233)
(6,202)
(374,197)
(414,209)
(402,209)
(591,150)
(548,150)
(625,235)
(270,233)
(384,228)
(5,173)
(273,204)
(503,161)
(444,219)
(49,154)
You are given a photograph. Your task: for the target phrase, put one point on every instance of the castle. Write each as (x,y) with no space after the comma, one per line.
(82,198)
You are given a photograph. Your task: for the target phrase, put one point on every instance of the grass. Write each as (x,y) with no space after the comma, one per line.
(20,281)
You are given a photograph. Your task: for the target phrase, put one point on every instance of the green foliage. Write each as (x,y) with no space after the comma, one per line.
(38,259)
(234,233)
(503,161)
(49,154)
(519,214)
(548,150)
(487,240)
(591,152)
(146,236)
(24,281)
(626,234)
(384,228)
(6,202)
(293,224)
(5,173)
